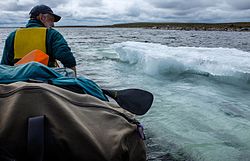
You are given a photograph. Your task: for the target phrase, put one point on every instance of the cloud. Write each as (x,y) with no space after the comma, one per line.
(200,10)
(180,4)
(101,12)
(108,11)
(15,5)
(88,3)
(239,4)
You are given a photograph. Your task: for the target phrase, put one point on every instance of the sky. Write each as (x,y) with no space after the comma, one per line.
(106,12)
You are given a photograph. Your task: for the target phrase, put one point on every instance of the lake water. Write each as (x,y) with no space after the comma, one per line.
(200,81)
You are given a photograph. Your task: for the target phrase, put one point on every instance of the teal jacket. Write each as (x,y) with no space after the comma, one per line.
(57,47)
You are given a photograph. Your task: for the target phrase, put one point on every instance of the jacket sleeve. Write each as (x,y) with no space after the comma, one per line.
(8,52)
(59,49)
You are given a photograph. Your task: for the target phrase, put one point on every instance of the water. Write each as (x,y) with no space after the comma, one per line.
(200,81)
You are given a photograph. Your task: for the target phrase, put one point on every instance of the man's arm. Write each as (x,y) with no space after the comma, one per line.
(59,49)
(8,52)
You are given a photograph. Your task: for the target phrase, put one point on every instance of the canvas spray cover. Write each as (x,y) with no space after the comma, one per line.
(79,127)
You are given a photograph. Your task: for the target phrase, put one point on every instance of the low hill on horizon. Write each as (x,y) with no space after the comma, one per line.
(234,26)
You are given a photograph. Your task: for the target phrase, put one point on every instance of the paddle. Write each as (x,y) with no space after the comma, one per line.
(136,101)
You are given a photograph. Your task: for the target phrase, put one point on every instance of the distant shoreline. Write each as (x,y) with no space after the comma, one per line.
(235,26)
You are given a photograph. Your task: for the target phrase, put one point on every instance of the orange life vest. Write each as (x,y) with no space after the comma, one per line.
(35,55)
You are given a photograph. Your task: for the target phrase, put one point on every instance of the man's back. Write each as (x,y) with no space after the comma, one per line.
(41,16)
(56,46)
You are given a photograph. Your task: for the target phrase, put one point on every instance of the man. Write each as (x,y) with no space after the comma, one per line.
(39,34)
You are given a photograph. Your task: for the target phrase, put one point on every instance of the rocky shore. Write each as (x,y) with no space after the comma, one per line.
(240,26)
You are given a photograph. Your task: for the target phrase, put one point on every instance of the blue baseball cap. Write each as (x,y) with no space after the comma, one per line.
(35,11)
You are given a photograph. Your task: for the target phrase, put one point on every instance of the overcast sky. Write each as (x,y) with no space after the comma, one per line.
(103,12)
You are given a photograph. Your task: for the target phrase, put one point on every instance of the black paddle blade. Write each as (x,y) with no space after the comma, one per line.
(136,101)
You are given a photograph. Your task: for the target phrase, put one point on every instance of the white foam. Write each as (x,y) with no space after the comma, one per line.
(160,59)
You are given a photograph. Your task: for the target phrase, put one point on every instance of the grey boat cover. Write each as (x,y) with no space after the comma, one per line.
(79,127)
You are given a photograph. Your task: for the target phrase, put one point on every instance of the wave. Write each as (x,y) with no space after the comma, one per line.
(225,64)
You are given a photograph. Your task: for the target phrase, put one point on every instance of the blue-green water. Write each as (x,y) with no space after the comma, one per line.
(200,80)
